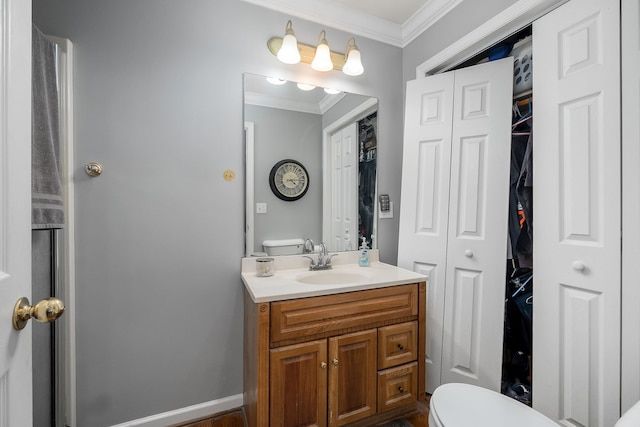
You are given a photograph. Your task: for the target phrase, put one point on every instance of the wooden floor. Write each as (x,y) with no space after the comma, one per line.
(236,418)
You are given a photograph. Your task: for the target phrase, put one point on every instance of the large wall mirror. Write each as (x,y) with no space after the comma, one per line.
(311,160)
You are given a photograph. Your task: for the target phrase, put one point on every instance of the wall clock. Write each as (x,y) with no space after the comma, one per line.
(289,180)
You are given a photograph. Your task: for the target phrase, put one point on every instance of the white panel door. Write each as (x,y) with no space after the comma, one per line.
(461,147)
(477,237)
(15,209)
(344,189)
(630,203)
(576,318)
(424,210)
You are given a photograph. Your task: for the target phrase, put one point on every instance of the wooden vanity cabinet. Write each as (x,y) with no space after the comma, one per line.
(354,358)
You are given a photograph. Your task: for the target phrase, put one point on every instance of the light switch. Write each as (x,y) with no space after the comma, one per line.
(388,214)
(261,208)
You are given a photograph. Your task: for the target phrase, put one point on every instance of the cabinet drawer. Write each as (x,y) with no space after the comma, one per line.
(397,344)
(323,315)
(397,386)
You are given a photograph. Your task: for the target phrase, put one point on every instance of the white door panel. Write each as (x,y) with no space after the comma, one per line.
(576,331)
(455,162)
(344,209)
(15,210)
(425,201)
(630,203)
(477,238)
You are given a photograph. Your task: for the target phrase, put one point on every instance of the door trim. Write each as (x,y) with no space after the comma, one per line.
(519,15)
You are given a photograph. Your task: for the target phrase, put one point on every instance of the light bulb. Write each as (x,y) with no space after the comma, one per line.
(304,86)
(289,53)
(353,65)
(322,59)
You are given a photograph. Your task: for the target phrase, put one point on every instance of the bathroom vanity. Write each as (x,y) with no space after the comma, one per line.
(334,347)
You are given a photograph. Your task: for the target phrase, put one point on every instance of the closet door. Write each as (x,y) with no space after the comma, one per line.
(344,183)
(630,203)
(424,209)
(477,237)
(576,318)
(453,217)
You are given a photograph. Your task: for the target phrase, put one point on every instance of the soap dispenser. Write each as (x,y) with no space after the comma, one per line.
(364,253)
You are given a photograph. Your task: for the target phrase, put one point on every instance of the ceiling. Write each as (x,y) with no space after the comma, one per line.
(394,22)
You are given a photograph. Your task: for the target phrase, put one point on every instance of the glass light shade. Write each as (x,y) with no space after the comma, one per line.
(289,53)
(276,81)
(353,66)
(304,86)
(331,91)
(322,60)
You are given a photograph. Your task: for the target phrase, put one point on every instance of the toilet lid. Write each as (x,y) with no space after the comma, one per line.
(460,405)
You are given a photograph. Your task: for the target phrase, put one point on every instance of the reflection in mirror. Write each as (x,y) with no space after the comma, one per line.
(310,168)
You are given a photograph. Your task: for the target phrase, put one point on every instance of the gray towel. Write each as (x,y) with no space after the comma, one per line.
(46,190)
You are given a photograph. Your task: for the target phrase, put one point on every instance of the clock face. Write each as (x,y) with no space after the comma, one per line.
(289,180)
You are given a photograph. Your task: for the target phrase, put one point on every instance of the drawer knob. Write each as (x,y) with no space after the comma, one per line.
(401,389)
(400,346)
(323,365)
(335,362)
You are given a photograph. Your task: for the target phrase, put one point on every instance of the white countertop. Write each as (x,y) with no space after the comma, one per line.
(284,283)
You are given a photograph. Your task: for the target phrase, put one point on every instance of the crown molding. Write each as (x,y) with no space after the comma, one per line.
(337,16)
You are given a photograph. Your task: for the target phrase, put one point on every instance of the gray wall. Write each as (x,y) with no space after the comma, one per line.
(158,101)
(463,19)
(284,134)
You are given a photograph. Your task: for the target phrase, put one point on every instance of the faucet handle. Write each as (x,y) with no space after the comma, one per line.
(308,246)
(327,261)
(313,263)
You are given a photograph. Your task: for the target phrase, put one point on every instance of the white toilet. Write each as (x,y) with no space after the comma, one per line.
(283,247)
(464,405)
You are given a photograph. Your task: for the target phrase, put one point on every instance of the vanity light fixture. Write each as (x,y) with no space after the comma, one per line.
(321,58)
(289,53)
(332,91)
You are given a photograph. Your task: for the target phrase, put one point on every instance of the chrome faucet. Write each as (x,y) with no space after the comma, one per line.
(324,259)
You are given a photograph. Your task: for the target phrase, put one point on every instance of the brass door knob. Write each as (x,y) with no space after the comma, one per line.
(44,311)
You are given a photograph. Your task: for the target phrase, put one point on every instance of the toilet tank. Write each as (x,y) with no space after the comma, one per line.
(283,247)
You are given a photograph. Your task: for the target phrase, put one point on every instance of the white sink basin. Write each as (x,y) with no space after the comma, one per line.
(330,277)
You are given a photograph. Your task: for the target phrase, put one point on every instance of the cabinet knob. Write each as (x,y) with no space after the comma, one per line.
(335,362)
(323,365)
(578,265)
(468,253)
(400,346)
(401,389)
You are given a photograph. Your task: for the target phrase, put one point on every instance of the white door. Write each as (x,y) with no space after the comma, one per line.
(453,217)
(477,237)
(630,203)
(15,209)
(576,317)
(344,189)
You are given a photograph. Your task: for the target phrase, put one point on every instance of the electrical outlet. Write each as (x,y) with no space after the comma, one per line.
(261,208)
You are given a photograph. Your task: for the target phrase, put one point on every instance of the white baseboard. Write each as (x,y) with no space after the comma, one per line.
(188,413)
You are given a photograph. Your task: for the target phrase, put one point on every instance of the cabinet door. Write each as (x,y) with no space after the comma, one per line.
(352,377)
(576,310)
(298,385)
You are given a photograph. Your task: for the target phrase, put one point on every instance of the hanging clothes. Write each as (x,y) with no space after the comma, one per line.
(520,190)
